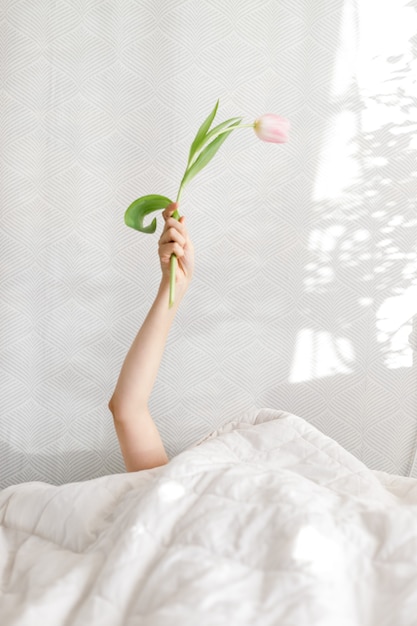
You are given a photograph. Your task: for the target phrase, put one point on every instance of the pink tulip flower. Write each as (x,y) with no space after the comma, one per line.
(271,127)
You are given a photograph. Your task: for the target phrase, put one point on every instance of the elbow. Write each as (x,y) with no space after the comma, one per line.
(123,410)
(115,408)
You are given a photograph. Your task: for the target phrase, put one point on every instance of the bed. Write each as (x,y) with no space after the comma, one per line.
(265,521)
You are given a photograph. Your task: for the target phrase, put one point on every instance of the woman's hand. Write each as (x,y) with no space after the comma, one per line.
(175,240)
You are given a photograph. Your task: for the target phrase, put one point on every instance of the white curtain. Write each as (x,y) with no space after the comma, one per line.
(305,288)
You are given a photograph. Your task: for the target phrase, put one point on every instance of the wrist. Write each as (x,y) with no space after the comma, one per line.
(180,289)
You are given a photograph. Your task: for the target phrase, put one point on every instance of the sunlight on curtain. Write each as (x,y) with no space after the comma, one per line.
(374,89)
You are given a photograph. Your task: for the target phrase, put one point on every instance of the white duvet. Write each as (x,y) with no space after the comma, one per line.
(266,522)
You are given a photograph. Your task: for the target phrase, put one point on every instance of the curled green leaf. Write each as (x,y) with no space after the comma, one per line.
(142,206)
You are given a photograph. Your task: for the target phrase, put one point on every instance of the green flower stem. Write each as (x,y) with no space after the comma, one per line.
(173,261)
(227,130)
(173,270)
(176,215)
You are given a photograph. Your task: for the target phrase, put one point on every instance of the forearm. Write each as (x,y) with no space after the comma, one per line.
(142,362)
(139,439)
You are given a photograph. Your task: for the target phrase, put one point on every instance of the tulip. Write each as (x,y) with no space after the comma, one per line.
(268,127)
(271,127)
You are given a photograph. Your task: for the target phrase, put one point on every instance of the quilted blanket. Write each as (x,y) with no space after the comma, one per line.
(265,522)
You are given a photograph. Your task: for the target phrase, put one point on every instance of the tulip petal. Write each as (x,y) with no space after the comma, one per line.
(143,206)
(272,128)
(202,131)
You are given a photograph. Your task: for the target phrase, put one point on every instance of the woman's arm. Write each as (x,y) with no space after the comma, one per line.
(139,439)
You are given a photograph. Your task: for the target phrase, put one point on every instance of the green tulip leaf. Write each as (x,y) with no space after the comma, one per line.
(143,206)
(205,157)
(202,131)
(218,130)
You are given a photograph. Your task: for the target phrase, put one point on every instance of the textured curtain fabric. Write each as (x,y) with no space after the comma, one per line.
(304,297)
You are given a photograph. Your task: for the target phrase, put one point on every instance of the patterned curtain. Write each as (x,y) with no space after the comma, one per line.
(305,288)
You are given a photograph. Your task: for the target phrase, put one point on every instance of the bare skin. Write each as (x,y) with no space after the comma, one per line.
(139,439)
